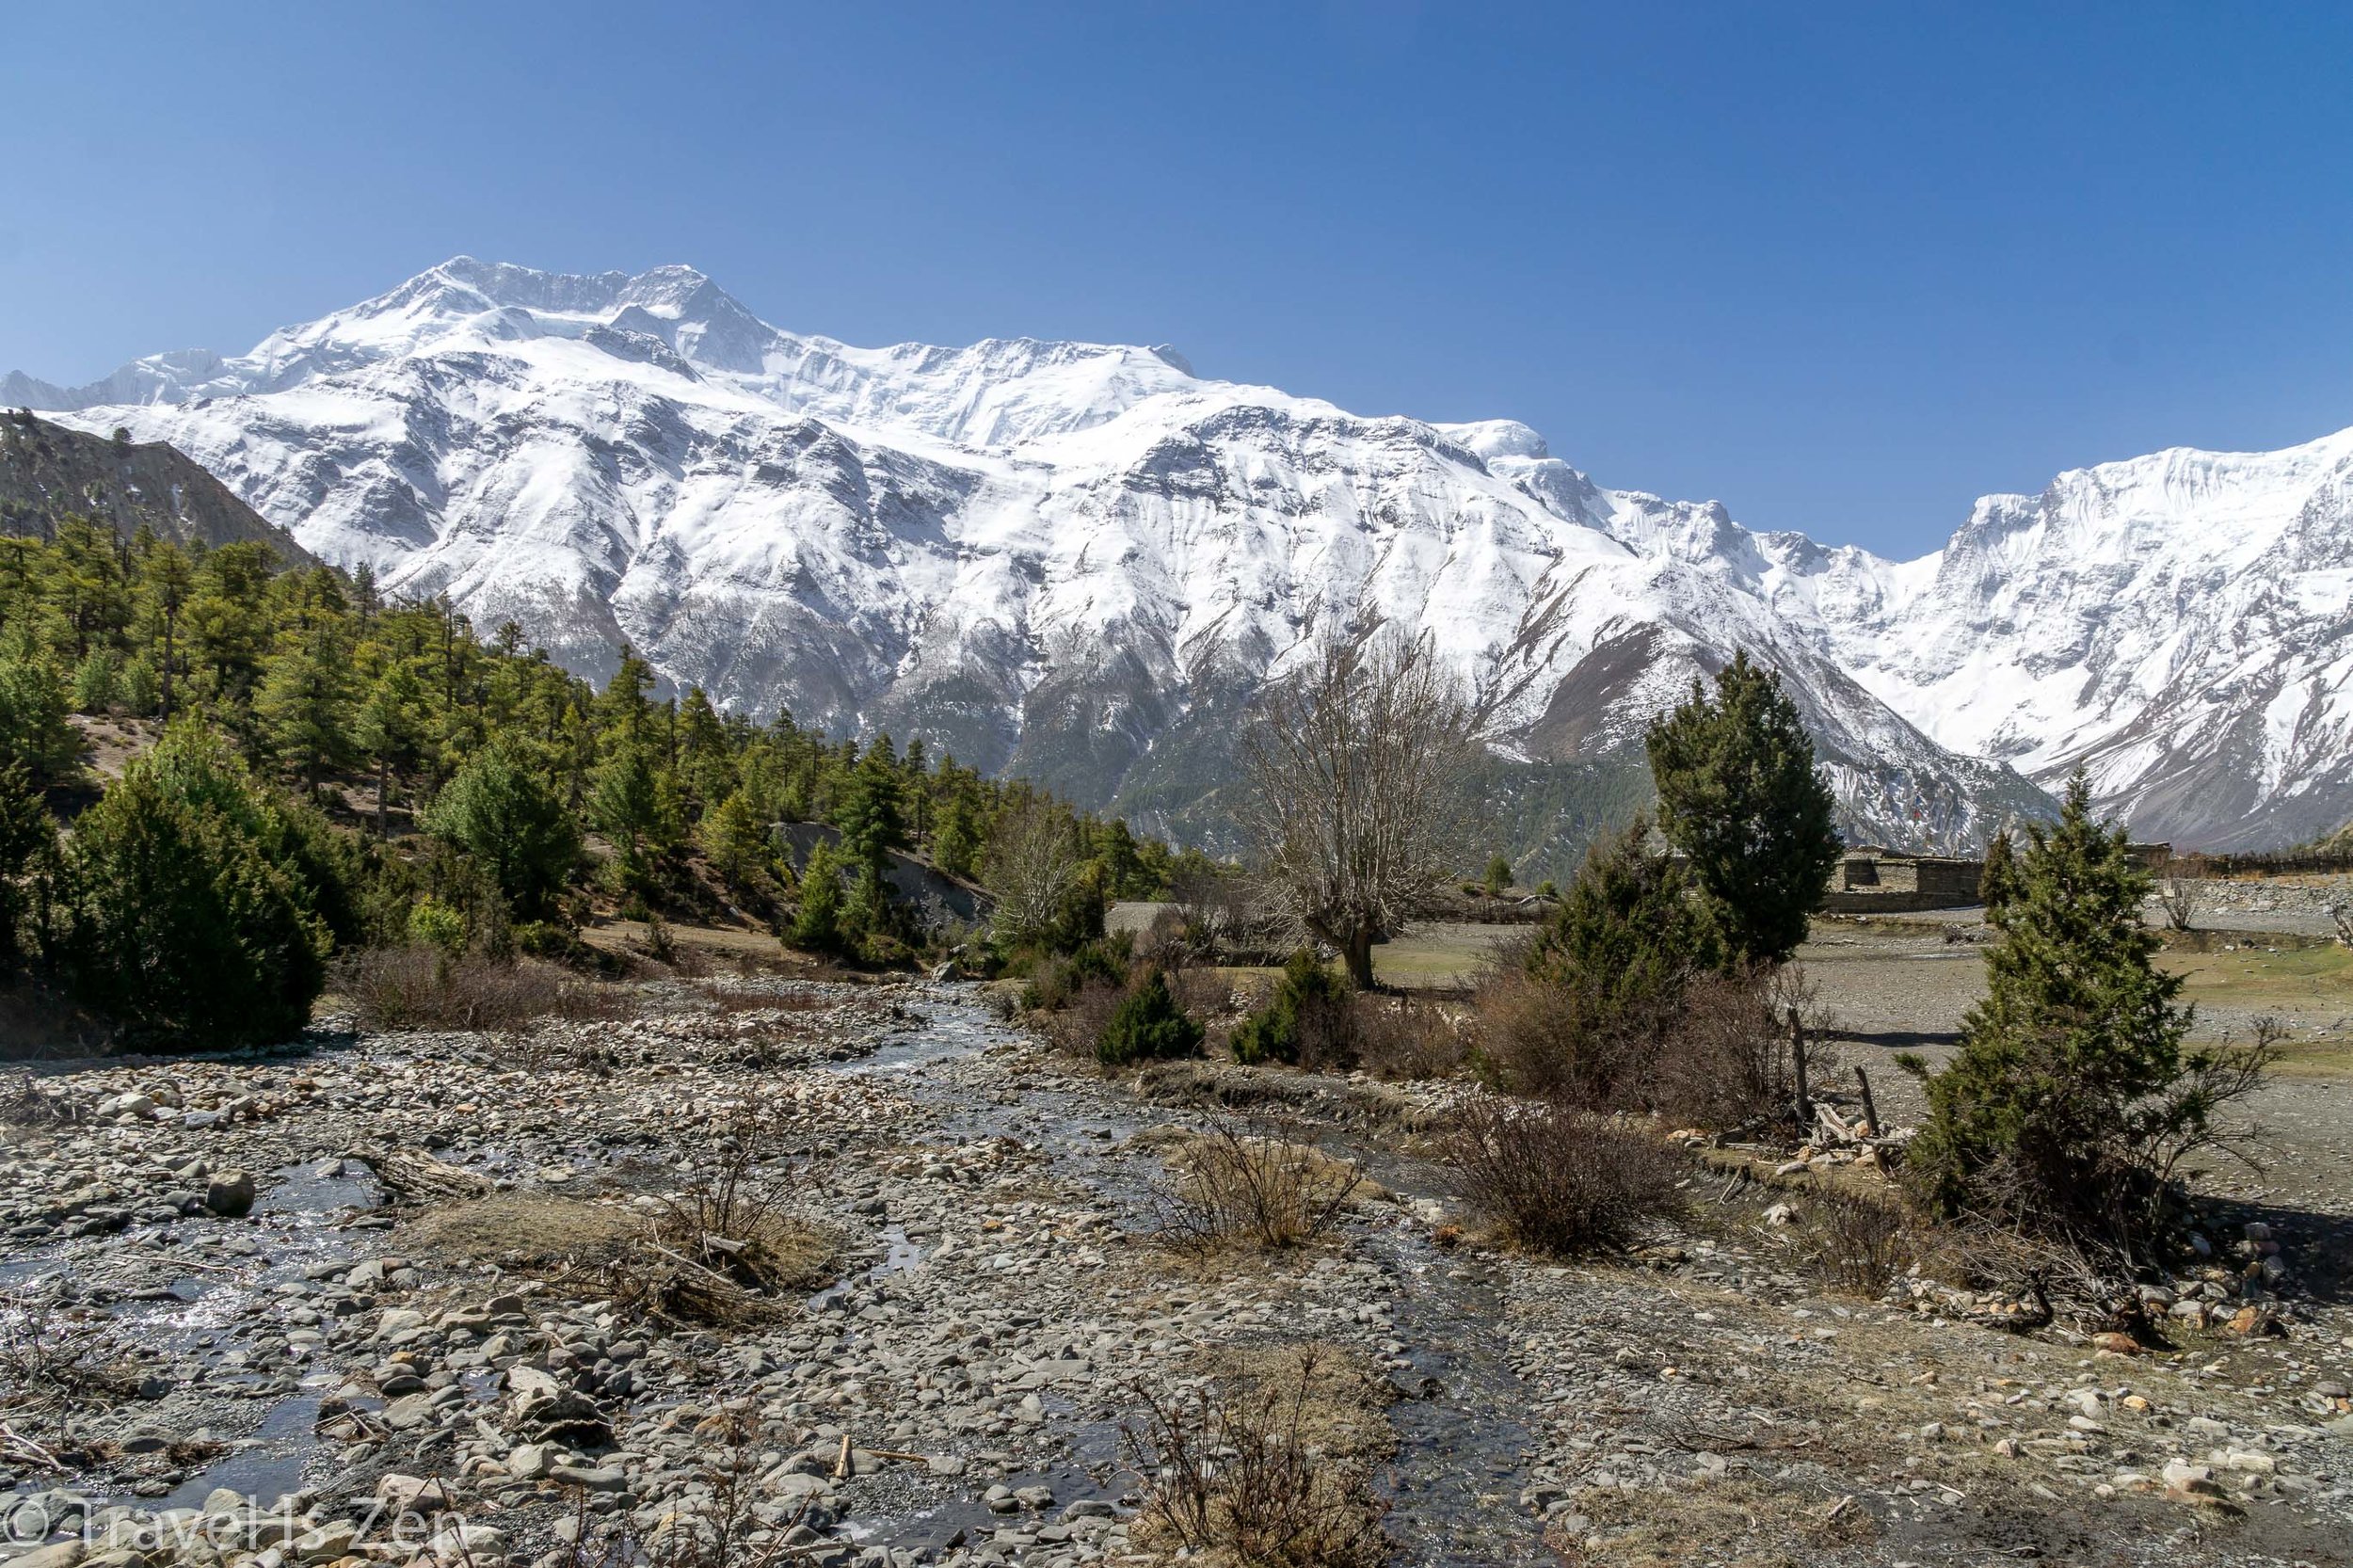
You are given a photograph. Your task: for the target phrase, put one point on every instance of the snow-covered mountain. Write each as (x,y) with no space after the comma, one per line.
(1077,561)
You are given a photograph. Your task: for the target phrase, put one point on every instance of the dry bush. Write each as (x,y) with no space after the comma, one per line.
(2177,898)
(1256,1469)
(1398,1038)
(421,987)
(1859,1244)
(723,1524)
(1561,1180)
(1202,993)
(47,1363)
(723,1249)
(1729,1059)
(33,1105)
(1533,1043)
(732,998)
(1074,1028)
(1252,1188)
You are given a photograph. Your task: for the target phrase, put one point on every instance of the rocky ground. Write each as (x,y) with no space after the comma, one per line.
(387,1298)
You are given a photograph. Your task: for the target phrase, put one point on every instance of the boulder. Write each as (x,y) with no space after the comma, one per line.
(230,1194)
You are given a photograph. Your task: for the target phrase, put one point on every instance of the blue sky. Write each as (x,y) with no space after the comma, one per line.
(1843,267)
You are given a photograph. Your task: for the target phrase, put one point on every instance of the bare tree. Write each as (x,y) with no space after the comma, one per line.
(2177,896)
(1033,865)
(1355,769)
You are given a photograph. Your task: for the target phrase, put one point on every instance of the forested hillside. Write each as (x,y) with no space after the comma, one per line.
(305,769)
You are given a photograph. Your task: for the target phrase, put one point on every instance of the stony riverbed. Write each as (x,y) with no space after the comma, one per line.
(343,1303)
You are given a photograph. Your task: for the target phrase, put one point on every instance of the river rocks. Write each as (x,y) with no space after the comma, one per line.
(995,1299)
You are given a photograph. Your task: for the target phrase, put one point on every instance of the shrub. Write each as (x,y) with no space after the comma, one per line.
(2071,1107)
(1397,1038)
(435,925)
(1148,1026)
(1583,1012)
(1307,1022)
(140,689)
(181,922)
(1561,1180)
(1728,1059)
(1056,978)
(424,987)
(1077,1027)
(94,682)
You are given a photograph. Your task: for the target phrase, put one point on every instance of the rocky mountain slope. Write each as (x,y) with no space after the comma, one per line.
(1078,560)
(48,471)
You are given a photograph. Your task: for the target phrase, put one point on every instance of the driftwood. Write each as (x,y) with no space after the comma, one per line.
(415,1176)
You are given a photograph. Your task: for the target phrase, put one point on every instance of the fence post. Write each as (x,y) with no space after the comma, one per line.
(1797,1059)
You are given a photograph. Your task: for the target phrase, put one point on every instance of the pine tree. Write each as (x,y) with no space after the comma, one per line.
(956,845)
(1997,882)
(868,809)
(817,922)
(499,811)
(33,726)
(634,802)
(1740,795)
(391,730)
(305,705)
(734,835)
(181,922)
(2070,1104)
(26,831)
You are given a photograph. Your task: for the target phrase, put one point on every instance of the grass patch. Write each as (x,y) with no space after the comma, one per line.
(526,1232)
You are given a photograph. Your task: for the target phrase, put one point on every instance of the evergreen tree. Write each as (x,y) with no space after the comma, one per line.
(734,837)
(956,847)
(304,706)
(2071,1103)
(1997,883)
(498,810)
(94,681)
(635,804)
(868,809)
(817,921)
(33,726)
(26,831)
(1740,795)
(180,923)
(1303,1023)
(391,729)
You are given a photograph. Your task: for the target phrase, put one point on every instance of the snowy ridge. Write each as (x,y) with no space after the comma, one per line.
(1077,560)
